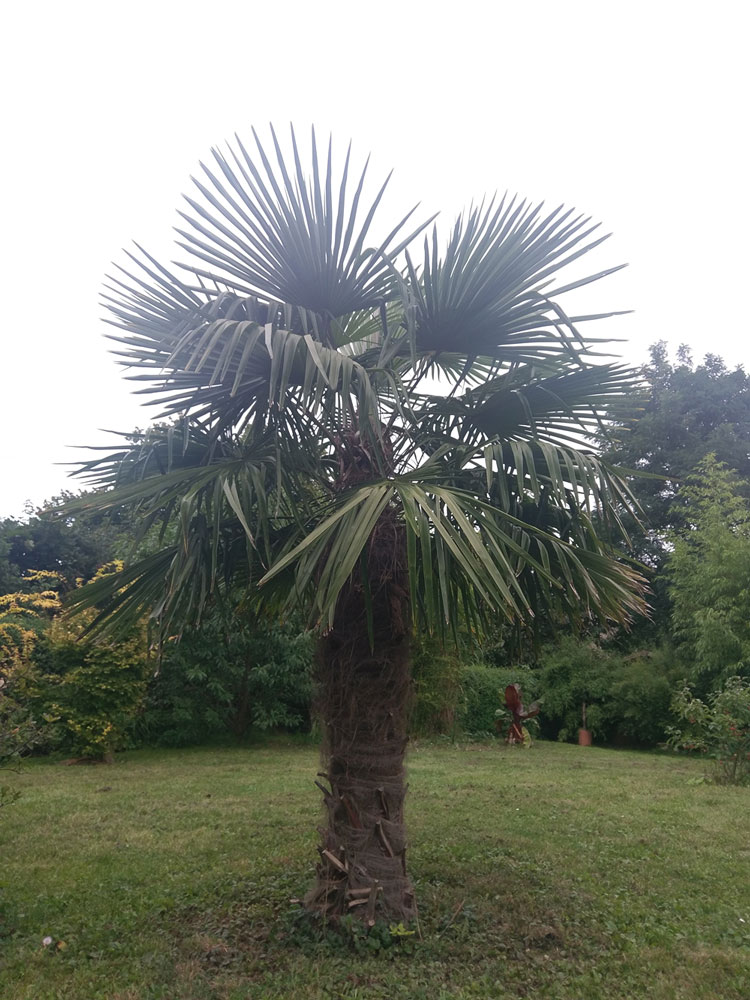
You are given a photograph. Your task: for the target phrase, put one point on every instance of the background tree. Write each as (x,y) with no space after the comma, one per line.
(235,671)
(24,615)
(72,548)
(316,467)
(86,694)
(684,412)
(709,575)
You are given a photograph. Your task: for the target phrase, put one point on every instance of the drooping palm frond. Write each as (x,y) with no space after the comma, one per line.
(514,475)
(526,434)
(214,508)
(575,482)
(464,556)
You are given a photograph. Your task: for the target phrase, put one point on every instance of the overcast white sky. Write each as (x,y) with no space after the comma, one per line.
(634,113)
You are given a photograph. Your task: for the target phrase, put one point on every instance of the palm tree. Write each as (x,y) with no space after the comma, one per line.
(394,442)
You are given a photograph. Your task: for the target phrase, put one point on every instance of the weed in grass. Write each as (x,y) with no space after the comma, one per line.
(309,932)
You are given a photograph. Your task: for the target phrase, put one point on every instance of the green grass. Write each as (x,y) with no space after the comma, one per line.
(557,872)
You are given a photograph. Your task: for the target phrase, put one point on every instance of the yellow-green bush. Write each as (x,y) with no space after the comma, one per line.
(92,689)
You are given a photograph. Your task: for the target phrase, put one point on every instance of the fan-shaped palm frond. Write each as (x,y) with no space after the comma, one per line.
(294,237)
(491,292)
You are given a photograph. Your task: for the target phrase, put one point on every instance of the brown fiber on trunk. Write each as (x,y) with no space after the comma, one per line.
(363,700)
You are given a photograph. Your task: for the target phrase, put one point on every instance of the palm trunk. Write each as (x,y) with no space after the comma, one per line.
(363,701)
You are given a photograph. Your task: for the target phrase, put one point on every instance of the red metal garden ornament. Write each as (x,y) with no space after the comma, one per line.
(520,714)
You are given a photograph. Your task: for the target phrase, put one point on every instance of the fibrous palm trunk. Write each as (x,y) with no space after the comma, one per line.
(363,700)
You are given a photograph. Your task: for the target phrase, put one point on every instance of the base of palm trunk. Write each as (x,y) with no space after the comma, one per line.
(364,699)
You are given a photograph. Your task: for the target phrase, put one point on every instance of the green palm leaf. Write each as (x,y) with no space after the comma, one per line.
(491,292)
(290,238)
(455,538)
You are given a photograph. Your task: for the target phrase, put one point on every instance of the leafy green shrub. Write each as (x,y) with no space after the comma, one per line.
(93,690)
(436,672)
(231,674)
(483,693)
(480,697)
(718,727)
(574,674)
(90,691)
(450,695)
(627,697)
(24,617)
(19,731)
(640,695)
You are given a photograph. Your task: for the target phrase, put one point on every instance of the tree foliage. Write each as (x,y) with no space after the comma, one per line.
(91,690)
(24,616)
(234,672)
(709,574)
(71,548)
(280,392)
(718,726)
(684,412)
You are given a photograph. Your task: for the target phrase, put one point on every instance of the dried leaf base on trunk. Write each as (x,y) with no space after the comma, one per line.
(362,868)
(363,704)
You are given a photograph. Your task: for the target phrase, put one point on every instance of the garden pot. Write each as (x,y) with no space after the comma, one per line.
(584,737)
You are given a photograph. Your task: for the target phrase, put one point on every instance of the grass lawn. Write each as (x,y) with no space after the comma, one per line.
(557,872)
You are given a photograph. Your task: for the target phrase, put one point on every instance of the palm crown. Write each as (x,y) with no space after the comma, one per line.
(292,352)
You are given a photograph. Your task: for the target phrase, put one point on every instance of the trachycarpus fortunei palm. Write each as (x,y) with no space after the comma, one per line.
(393,442)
